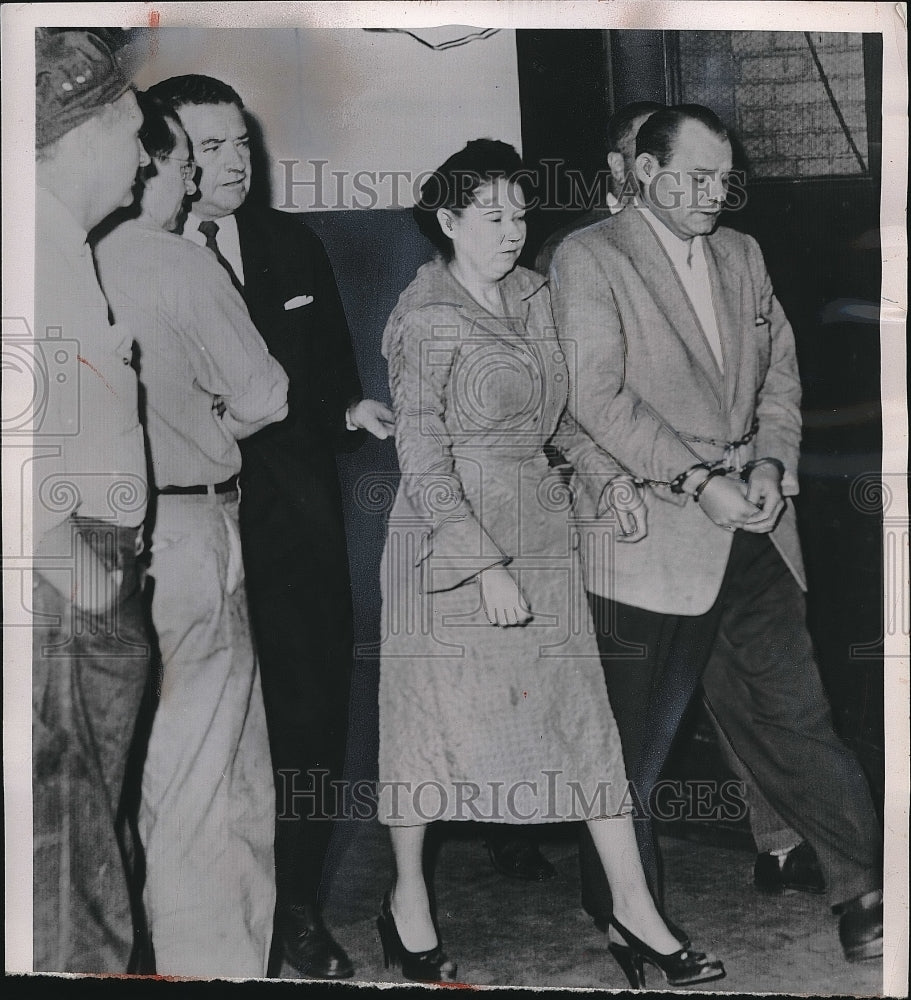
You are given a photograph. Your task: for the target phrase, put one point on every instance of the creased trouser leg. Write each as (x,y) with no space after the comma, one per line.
(207,796)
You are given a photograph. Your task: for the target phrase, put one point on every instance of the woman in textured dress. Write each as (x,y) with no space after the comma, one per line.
(492,699)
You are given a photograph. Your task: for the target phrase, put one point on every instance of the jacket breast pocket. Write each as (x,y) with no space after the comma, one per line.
(762,340)
(298,302)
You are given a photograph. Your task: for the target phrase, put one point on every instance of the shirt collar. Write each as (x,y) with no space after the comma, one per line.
(677,249)
(227,225)
(60,225)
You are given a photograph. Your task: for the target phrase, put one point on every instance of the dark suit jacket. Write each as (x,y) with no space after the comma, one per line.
(294,302)
(291,514)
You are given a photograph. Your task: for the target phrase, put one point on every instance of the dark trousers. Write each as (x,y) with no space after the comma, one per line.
(651,664)
(89,675)
(769,700)
(300,601)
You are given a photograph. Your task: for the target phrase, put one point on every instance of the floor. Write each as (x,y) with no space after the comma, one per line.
(506,932)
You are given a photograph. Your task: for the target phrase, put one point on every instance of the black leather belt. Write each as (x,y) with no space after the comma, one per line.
(228,486)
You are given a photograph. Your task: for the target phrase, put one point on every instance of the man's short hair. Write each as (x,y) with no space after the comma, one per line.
(621,123)
(658,135)
(194,88)
(157,134)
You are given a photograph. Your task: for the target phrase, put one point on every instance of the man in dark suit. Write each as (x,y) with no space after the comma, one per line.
(291,511)
(687,376)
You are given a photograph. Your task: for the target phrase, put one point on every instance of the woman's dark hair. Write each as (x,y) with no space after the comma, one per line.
(454,184)
(157,133)
(658,134)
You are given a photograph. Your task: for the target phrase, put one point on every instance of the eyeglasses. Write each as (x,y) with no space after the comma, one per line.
(187,167)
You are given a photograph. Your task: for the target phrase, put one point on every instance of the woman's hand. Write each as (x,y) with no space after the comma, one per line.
(503,601)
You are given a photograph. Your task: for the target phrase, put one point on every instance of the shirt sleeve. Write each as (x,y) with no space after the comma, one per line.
(456,546)
(232,360)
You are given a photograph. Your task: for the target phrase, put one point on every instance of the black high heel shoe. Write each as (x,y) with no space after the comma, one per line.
(431,966)
(680,968)
(603,923)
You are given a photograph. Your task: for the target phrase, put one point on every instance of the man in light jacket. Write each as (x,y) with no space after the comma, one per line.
(687,376)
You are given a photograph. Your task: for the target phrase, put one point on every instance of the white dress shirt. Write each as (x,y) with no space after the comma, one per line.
(688,258)
(227,239)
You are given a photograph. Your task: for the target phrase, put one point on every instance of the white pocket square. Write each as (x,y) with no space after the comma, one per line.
(297,301)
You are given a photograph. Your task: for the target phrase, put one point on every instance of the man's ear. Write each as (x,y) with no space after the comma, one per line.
(646,168)
(444,218)
(617,168)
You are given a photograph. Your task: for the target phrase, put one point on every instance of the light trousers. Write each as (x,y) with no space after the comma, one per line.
(206,816)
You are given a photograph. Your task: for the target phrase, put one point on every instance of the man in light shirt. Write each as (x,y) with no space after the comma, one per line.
(91,651)
(291,518)
(209,380)
(687,375)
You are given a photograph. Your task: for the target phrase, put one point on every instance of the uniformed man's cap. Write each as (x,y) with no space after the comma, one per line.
(76,75)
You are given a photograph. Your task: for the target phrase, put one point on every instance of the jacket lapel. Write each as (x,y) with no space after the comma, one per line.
(660,278)
(254,258)
(727,296)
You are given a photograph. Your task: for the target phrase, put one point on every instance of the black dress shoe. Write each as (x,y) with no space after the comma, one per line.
(519,857)
(309,946)
(860,927)
(799,870)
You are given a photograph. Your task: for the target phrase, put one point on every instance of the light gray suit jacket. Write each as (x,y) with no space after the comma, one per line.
(646,382)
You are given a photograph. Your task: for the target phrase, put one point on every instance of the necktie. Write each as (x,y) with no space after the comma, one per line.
(209,229)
